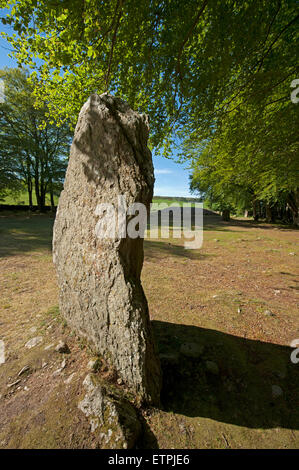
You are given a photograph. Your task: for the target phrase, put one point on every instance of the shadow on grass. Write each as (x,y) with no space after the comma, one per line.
(162,249)
(240,392)
(21,234)
(211,221)
(215,223)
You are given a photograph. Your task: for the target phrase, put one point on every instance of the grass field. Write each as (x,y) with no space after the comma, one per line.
(169,201)
(236,298)
(22,199)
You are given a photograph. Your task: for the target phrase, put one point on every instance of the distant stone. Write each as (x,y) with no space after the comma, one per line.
(33,329)
(292,253)
(49,346)
(212,367)
(113,417)
(62,348)
(34,342)
(276,391)
(192,350)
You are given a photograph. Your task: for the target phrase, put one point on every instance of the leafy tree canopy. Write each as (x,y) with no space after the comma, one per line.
(187,64)
(213,75)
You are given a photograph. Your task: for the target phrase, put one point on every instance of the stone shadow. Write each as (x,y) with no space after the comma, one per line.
(162,249)
(147,439)
(207,373)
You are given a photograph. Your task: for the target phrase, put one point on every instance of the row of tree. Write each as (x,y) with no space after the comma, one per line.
(251,163)
(33,150)
(248,161)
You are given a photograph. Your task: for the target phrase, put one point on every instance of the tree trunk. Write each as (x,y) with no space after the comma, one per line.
(40,186)
(37,193)
(42,198)
(293,203)
(269,214)
(52,196)
(226,215)
(36,185)
(255,210)
(29,182)
(30,190)
(40,192)
(30,196)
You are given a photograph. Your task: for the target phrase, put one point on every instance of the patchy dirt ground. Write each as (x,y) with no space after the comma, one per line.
(235,299)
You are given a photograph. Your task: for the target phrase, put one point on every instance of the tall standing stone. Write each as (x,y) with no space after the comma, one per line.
(101,295)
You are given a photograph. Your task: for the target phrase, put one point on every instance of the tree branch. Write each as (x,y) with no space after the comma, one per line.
(120,5)
(187,37)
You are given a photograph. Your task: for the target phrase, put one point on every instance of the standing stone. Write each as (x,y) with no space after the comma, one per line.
(101,295)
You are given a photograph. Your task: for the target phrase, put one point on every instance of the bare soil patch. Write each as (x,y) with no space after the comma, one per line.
(236,299)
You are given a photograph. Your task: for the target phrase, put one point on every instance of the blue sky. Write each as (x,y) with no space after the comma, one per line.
(172,179)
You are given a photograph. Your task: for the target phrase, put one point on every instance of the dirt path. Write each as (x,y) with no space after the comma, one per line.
(224,317)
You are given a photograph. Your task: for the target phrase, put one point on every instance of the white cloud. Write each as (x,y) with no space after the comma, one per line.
(164,171)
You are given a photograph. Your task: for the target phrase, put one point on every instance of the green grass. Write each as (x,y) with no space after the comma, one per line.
(170,200)
(21,198)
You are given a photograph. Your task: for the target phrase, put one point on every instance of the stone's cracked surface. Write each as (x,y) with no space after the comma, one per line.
(101,295)
(113,417)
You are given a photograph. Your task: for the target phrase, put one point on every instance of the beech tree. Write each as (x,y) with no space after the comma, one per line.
(178,61)
(252,157)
